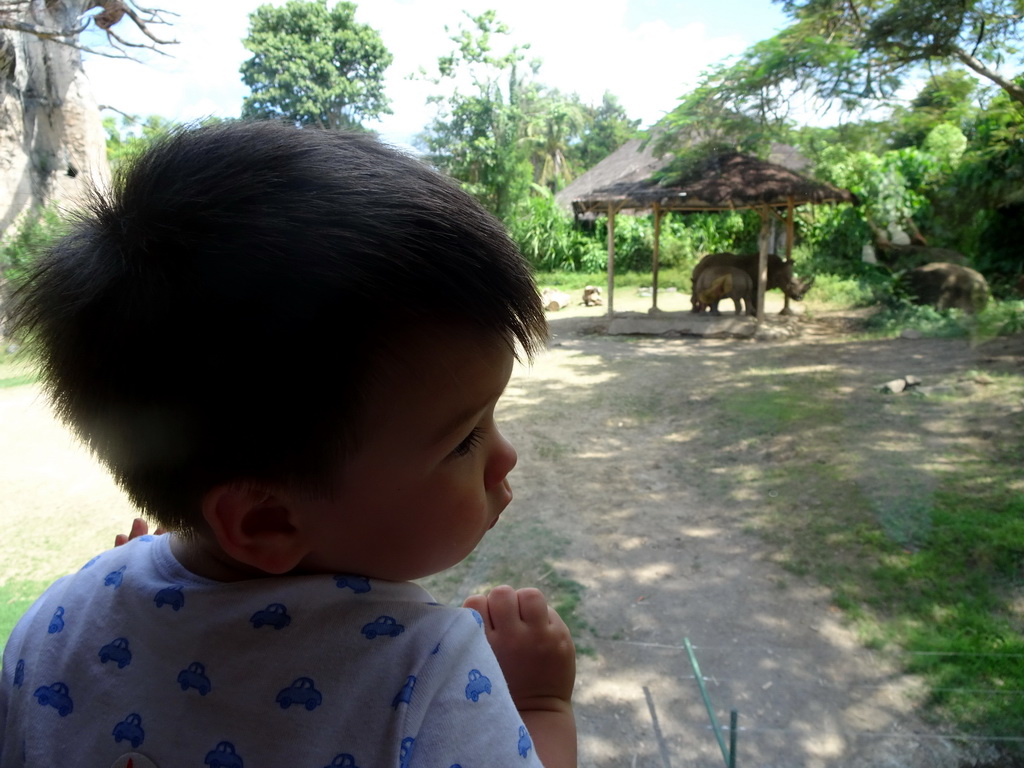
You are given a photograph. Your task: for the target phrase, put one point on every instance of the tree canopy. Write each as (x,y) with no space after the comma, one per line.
(856,54)
(314,65)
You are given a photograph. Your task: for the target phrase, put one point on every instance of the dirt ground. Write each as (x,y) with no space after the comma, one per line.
(617,491)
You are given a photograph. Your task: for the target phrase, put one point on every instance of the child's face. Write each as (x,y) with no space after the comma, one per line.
(428,479)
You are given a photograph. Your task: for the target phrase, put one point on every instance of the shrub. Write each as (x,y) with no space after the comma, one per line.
(36,230)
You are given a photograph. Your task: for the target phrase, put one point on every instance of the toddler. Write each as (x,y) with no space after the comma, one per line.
(287,346)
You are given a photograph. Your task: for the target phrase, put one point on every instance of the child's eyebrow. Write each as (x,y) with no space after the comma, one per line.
(467,414)
(458,421)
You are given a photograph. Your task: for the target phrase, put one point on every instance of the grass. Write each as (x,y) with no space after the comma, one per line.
(15,368)
(15,598)
(926,563)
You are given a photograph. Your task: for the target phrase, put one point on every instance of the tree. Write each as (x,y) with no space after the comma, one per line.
(607,128)
(854,55)
(131,135)
(476,136)
(51,138)
(64,22)
(552,124)
(314,66)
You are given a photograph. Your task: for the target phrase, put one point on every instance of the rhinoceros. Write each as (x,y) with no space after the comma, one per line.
(716,283)
(780,275)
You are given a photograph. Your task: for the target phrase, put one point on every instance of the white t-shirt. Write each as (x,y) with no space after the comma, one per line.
(136,661)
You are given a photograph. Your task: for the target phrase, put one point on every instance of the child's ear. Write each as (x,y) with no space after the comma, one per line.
(255,526)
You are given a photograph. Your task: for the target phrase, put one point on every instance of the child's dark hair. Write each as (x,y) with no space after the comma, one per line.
(212,319)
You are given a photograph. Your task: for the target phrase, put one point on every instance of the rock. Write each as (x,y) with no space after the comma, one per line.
(894,387)
(910,333)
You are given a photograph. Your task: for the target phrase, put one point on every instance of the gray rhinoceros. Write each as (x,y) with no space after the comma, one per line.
(780,275)
(947,286)
(716,283)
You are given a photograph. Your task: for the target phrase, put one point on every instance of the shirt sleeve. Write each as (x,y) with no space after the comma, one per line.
(469,718)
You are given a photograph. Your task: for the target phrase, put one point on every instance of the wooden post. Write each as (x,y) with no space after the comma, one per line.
(611,258)
(789,228)
(657,240)
(762,261)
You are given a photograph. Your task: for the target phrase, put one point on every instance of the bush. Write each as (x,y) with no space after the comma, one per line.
(35,231)
(549,239)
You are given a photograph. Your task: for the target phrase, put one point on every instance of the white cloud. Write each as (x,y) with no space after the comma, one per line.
(648,63)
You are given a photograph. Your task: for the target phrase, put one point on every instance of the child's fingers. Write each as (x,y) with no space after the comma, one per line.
(503,607)
(478,603)
(533,608)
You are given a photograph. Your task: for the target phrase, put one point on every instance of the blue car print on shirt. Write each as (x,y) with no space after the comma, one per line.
(404,696)
(384,625)
(130,730)
(57,622)
(302,691)
(195,677)
(56,696)
(223,756)
(172,596)
(357,584)
(19,673)
(342,761)
(478,684)
(274,615)
(477,616)
(405,753)
(525,743)
(114,578)
(89,563)
(116,650)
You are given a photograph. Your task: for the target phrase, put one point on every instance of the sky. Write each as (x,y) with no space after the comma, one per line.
(648,53)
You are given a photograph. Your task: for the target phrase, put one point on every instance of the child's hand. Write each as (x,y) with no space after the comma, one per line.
(139,528)
(533,646)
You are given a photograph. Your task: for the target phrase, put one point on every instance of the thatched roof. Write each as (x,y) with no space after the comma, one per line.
(721,182)
(630,163)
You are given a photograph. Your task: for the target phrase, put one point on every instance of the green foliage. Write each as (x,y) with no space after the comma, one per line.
(947,97)
(15,598)
(37,229)
(865,53)
(505,132)
(549,240)
(130,136)
(475,137)
(854,55)
(314,65)
(551,121)
(607,128)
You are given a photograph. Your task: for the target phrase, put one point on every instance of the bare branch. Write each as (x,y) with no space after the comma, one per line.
(41,32)
(154,18)
(113,11)
(134,119)
(113,35)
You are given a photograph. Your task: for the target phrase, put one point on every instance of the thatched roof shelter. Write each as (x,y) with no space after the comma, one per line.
(627,180)
(727,181)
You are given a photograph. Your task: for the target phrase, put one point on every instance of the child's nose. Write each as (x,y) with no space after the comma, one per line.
(501,461)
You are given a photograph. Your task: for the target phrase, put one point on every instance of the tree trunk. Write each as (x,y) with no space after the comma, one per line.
(52,143)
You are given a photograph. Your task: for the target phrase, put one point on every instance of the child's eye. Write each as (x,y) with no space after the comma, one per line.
(467,445)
